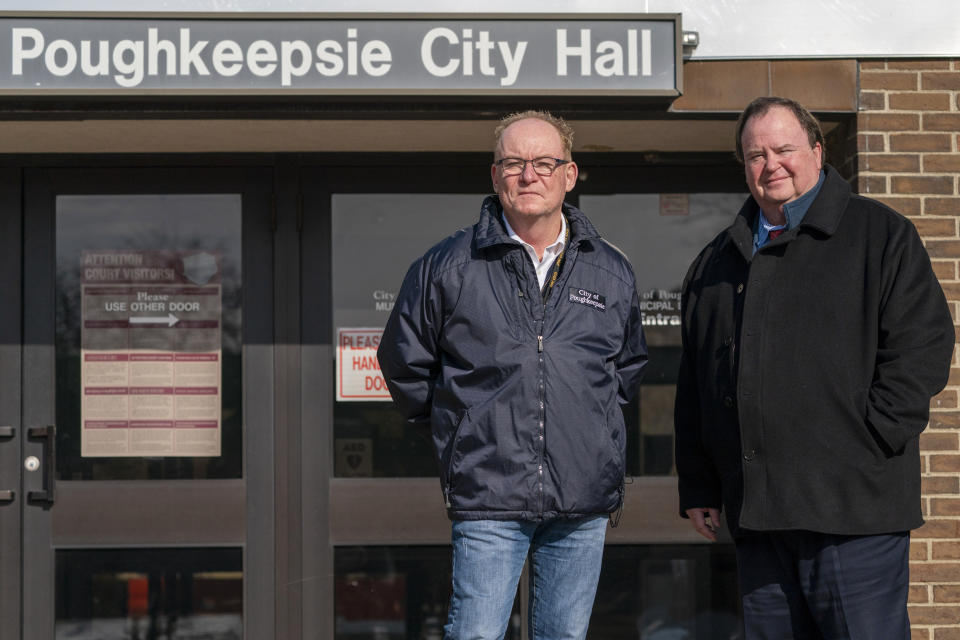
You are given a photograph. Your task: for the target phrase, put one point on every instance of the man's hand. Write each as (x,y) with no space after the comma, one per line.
(706,521)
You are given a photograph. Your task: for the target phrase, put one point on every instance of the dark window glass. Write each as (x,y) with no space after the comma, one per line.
(667,592)
(394,593)
(127,594)
(661,234)
(376,237)
(166,421)
(654,592)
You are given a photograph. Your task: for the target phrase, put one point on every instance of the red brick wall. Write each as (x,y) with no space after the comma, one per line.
(908,155)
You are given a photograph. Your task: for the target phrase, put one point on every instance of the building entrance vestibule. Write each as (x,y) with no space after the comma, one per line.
(182,451)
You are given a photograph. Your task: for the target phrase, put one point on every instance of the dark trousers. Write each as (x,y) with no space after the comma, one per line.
(803,585)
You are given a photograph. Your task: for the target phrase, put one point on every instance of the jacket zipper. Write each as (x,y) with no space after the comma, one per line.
(542,418)
(453,451)
(543,399)
(542,390)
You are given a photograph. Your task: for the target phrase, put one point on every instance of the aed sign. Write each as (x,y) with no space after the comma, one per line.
(595,55)
(358,370)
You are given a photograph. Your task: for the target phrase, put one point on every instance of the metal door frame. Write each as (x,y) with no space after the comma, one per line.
(234,512)
(10,426)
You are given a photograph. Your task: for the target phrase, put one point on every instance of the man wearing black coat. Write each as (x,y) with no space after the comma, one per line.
(814,335)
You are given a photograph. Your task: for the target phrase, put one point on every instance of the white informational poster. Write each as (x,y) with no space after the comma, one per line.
(358,371)
(150,353)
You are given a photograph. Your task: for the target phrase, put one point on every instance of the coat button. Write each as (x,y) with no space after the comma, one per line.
(740,288)
(727,341)
(728,401)
(750,454)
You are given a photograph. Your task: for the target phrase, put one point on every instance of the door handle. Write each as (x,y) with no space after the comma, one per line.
(49,436)
(7,495)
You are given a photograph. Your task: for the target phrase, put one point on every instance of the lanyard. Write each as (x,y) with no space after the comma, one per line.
(556,265)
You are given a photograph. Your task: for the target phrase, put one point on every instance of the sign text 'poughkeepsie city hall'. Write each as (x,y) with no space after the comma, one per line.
(623,54)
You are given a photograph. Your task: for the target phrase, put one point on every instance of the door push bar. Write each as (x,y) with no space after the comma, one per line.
(49,436)
(7,495)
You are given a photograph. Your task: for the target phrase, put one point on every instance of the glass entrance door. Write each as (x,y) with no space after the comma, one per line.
(147,392)
(384,536)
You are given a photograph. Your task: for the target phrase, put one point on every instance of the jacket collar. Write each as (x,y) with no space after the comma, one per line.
(823,215)
(489,230)
(825,212)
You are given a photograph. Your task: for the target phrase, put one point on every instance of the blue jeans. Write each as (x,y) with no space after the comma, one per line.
(488,556)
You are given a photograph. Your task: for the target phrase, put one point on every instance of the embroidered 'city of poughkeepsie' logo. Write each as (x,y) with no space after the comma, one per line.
(589,298)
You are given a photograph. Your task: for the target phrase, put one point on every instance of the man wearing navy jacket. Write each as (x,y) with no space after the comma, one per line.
(814,335)
(517,340)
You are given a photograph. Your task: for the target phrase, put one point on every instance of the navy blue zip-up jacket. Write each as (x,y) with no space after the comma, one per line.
(523,397)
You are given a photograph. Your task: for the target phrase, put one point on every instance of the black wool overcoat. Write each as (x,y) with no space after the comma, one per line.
(808,369)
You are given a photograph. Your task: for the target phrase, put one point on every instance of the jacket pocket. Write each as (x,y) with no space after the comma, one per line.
(452,448)
(880,450)
(616,434)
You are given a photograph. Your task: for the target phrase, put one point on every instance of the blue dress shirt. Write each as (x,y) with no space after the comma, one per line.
(794,212)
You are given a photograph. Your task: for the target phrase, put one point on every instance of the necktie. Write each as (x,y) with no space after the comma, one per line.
(776,232)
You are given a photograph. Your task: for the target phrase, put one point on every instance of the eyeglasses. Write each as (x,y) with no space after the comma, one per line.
(541,166)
